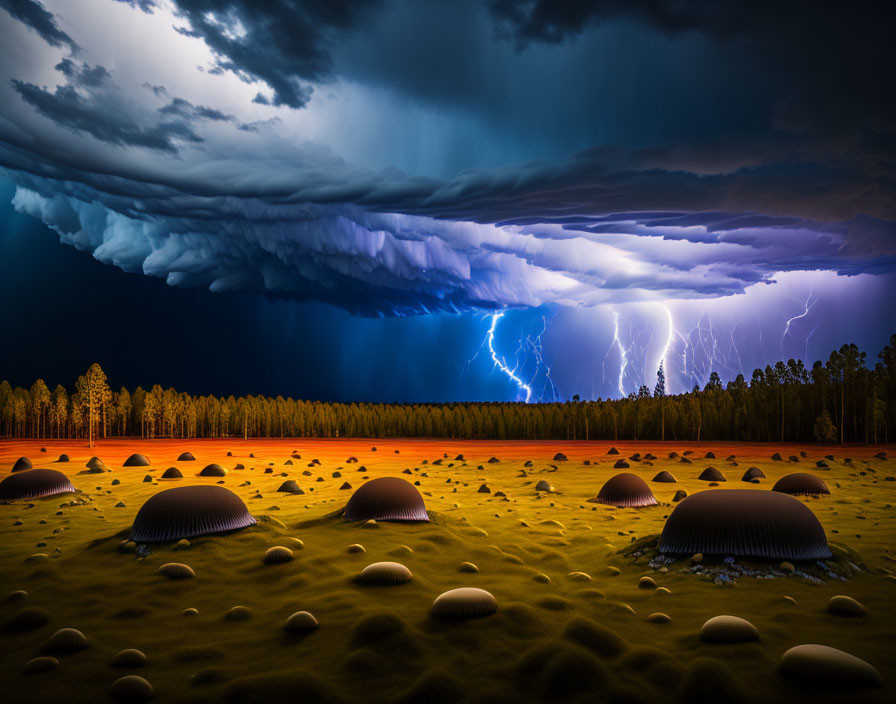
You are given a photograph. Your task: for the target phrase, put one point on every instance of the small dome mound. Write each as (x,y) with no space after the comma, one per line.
(300,622)
(621,464)
(278,555)
(841,605)
(39,665)
(753,473)
(189,511)
(711,474)
(66,640)
(744,522)
(710,455)
(176,570)
(172,473)
(665,477)
(131,688)
(290,487)
(22,464)
(137,460)
(63,458)
(560,457)
(386,499)
(35,483)
(213,470)
(544,485)
(626,490)
(96,463)
(385,573)
(186,457)
(612,451)
(493,460)
(801,483)
(777,457)
(130,657)
(465,602)
(823,664)
(728,629)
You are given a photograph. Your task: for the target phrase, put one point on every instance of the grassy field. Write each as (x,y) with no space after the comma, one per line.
(565,638)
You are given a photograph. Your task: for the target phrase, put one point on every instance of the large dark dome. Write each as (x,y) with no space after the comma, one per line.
(137,460)
(801,483)
(626,490)
(189,511)
(747,523)
(22,464)
(34,483)
(386,499)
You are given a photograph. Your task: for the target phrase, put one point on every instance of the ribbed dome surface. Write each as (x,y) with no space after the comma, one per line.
(34,483)
(386,499)
(189,511)
(744,522)
(801,483)
(626,490)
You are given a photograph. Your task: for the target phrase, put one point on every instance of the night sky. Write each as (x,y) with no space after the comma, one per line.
(340,200)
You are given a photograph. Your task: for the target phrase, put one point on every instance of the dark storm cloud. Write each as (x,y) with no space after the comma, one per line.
(827,61)
(90,103)
(41,20)
(284,44)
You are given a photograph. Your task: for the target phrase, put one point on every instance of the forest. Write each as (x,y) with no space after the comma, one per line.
(841,400)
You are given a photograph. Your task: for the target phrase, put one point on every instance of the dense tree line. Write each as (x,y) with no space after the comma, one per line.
(841,400)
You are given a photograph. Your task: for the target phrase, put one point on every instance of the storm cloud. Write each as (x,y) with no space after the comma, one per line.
(281,191)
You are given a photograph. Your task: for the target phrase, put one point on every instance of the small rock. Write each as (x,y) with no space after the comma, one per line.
(300,622)
(131,688)
(841,605)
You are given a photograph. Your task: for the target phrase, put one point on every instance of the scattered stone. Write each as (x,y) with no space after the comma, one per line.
(646,583)
(728,629)
(841,605)
(464,602)
(385,573)
(493,460)
(130,657)
(820,664)
(621,464)
(300,622)
(679,495)
(277,555)
(355,548)
(468,567)
(66,640)
(484,490)
(131,688)
(238,613)
(190,612)
(658,618)
(543,485)
(37,666)
(560,457)
(176,570)
(579,576)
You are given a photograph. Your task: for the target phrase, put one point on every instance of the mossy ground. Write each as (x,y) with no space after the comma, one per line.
(569,639)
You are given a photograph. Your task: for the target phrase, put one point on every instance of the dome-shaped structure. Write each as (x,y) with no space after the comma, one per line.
(213,470)
(711,474)
(744,522)
(186,457)
(137,460)
(626,490)
(172,473)
(22,464)
(801,483)
(386,499)
(34,483)
(664,477)
(189,511)
(753,473)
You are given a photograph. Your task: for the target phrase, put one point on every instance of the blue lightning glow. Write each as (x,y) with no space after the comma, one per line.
(499,361)
(806,308)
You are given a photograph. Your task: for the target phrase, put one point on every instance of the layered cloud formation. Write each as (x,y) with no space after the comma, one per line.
(249,176)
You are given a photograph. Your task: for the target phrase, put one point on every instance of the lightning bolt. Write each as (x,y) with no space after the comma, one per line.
(499,361)
(806,308)
(623,356)
(665,353)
